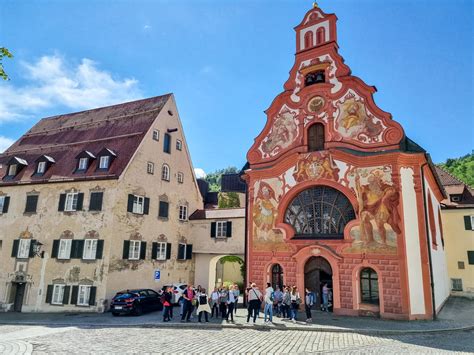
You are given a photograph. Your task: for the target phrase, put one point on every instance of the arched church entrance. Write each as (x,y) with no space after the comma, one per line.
(317,272)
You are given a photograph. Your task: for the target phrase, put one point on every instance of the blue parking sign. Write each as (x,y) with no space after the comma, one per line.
(157,275)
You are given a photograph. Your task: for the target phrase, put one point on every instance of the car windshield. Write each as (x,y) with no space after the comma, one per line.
(126,295)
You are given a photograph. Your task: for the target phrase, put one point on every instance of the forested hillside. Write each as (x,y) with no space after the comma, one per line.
(462,168)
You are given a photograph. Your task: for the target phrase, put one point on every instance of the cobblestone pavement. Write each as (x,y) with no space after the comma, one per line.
(46,340)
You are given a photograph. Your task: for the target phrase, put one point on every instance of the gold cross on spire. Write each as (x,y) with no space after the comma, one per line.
(315,5)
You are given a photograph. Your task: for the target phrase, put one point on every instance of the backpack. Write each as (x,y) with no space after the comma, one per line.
(272,296)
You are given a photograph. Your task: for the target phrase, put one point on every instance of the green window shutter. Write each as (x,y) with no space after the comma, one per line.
(181,248)
(95,203)
(126,249)
(6,203)
(74,294)
(62,202)
(189,251)
(470,257)
(146,206)
(80,201)
(32,248)
(92,296)
(229,229)
(154,250)
(100,249)
(31,203)
(168,251)
(130,203)
(163,209)
(67,291)
(54,252)
(142,250)
(213,229)
(16,244)
(49,293)
(467,223)
(77,249)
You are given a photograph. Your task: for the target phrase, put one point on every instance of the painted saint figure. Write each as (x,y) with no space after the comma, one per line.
(265,209)
(377,201)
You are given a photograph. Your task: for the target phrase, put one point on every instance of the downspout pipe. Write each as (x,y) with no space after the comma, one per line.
(246,242)
(428,244)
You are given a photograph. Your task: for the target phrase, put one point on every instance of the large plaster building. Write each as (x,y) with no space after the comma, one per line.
(95,202)
(338,194)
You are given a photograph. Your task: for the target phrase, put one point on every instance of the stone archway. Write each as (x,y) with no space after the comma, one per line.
(228,271)
(317,272)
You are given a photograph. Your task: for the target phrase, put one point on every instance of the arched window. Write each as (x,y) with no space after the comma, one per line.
(308,39)
(320,212)
(369,286)
(165,172)
(316,137)
(320,36)
(315,78)
(277,276)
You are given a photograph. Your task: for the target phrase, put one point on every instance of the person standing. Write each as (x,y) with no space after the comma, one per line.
(286,303)
(188,297)
(203,305)
(230,304)
(308,303)
(236,295)
(215,302)
(325,297)
(223,301)
(295,304)
(277,302)
(253,296)
(269,297)
(167,295)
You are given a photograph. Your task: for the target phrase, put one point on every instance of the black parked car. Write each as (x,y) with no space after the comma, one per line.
(135,302)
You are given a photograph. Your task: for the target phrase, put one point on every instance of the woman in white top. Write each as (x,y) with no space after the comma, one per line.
(230,304)
(295,303)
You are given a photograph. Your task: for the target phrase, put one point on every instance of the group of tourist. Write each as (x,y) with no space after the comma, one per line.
(284,302)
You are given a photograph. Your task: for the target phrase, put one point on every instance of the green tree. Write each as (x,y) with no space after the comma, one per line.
(4,53)
(462,168)
(214,179)
(228,200)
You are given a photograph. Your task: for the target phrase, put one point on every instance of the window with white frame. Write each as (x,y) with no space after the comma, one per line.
(138,203)
(104,162)
(221,229)
(23,249)
(165,172)
(183,213)
(134,251)
(71,201)
(12,170)
(161,251)
(180,178)
(179,145)
(83,164)
(58,294)
(150,168)
(83,295)
(156,135)
(41,167)
(64,250)
(90,249)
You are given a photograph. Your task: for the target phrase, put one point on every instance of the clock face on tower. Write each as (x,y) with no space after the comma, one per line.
(316,104)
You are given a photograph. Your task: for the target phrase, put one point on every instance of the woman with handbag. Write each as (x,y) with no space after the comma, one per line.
(254,298)
(295,303)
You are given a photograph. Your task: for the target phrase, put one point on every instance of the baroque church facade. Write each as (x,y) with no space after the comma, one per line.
(338,194)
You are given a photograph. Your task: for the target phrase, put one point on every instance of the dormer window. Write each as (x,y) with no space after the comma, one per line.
(106,157)
(15,165)
(315,78)
(84,159)
(42,164)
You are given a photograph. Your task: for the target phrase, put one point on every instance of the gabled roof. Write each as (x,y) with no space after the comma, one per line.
(119,128)
(454,186)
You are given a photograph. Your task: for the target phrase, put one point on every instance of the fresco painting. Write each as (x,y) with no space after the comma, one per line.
(316,166)
(283,133)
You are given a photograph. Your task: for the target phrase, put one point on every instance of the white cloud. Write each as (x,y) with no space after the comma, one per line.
(200,174)
(146,27)
(52,81)
(5,142)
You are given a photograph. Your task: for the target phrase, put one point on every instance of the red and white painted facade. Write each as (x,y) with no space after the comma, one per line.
(366,159)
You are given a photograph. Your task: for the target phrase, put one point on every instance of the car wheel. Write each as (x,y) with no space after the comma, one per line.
(115,314)
(137,310)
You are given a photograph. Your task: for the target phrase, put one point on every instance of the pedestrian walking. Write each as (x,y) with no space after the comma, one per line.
(254,297)
(236,295)
(269,297)
(325,297)
(166,299)
(308,303)
(188,296)
(230,304)
(223,301)
(203,305)
(295,304)
(215,302)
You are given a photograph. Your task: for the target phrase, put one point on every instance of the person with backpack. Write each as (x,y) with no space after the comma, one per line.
(269,298)
(308,303)
(203,305)
(166,301)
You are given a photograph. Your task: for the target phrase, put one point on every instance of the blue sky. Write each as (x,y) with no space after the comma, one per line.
(225,61)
